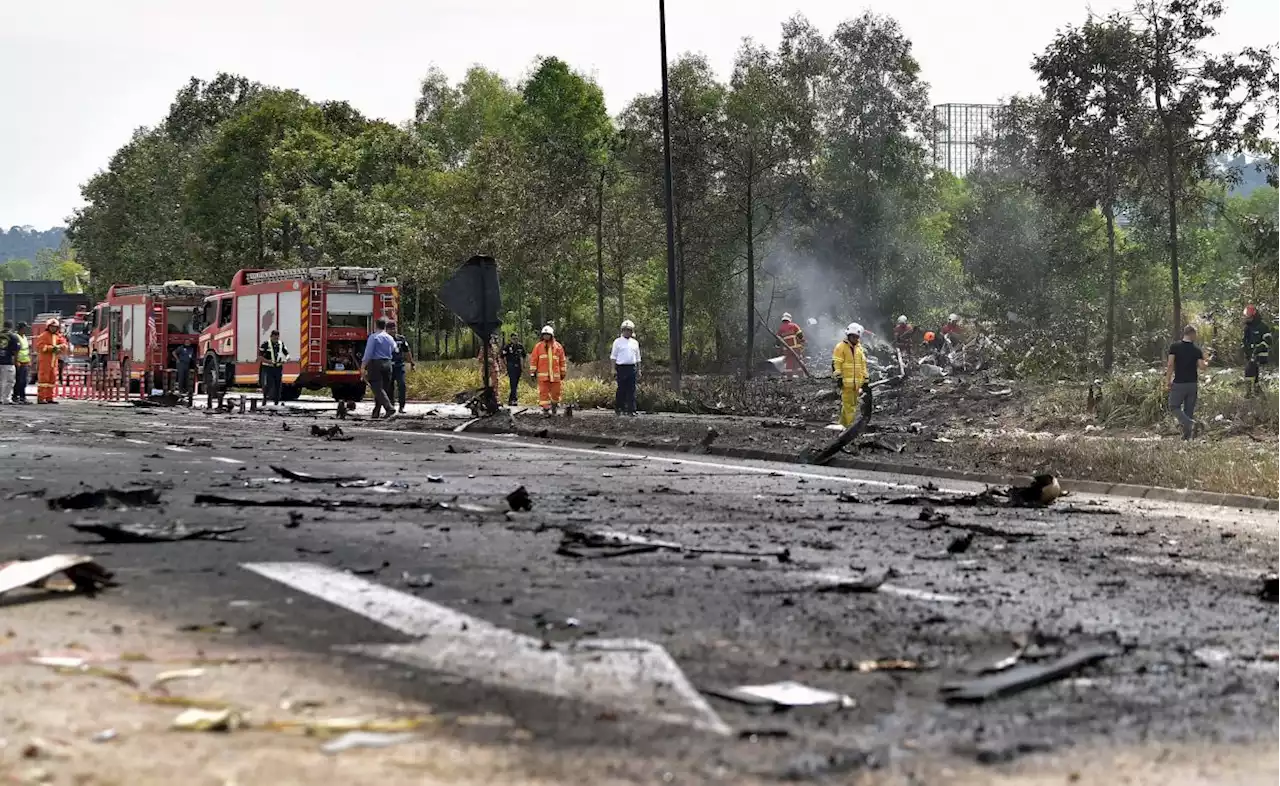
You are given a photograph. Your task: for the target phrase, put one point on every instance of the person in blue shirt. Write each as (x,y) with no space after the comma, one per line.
(376,368)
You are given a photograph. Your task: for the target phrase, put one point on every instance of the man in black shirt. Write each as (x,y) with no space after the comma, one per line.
(1182,378)
(513,353)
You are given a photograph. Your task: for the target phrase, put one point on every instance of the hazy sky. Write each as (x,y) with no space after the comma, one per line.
(78,76)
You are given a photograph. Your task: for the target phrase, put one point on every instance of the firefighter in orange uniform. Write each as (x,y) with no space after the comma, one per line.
(49,347)
(548,365)
(793,337)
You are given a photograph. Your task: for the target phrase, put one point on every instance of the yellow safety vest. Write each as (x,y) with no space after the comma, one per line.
(24,349)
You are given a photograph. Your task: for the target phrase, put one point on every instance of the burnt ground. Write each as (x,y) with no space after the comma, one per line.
(1169,590)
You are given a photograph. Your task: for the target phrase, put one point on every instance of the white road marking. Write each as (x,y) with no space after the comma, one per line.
(136,441)
(225,460)
(177,449)
(626,674)
(664,459)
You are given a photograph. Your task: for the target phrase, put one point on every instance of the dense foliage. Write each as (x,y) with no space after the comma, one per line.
(803,183)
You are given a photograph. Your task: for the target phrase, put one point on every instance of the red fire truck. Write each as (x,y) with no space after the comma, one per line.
(324,315)
(143,324)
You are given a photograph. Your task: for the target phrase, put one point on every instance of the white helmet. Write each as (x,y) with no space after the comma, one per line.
(854,329)
(547,330)
(786,316)
(628,325)
(953,318)
(902,320)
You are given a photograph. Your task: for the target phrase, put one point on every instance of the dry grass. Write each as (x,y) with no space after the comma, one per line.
(443,380)
(1233,466)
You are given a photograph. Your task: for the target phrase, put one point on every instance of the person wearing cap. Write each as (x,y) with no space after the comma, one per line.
(273,354)
(1182,379)
(1257,348)
(49,346)
(849,369)
(793,338)
(548,365)
(626,363)
(22,364)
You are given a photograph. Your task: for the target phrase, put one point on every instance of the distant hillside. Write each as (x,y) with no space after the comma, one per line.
(24,242)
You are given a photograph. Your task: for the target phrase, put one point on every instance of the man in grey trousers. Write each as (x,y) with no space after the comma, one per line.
(376,365)
(1182,378)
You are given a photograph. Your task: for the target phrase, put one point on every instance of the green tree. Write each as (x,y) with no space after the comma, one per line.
(1086,141)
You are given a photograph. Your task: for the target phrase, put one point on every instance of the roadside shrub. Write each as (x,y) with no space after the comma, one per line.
(1141,399)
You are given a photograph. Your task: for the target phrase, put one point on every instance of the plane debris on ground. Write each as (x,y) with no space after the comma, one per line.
(783,694)
(115,532)
(101,498)
(1020,678)
(601,544)
(84,573)
(307,477)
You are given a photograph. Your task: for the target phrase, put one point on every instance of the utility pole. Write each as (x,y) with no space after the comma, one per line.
(673,303)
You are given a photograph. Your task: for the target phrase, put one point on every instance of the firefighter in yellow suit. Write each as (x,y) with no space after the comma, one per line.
(849,369)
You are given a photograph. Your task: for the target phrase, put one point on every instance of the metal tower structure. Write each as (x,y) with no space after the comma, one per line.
(958,128)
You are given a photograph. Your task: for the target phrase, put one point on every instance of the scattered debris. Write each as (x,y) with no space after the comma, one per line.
(106,735)
(85,574)
(783,694)
(868,666)
(317,502)
(520,499)
(935,520)
(1020,678)
(846,497)
(451,448)
(421,581)
(366,739)
(381,486)
(868,583)
(1269,591)
(115,532)
(331,434)
(599,544)
(1003,753)
(435,478)
(295,520)
(369,570)
(101,498)
(960,544)
(880,444)
(306,477)
(999,658)
(77,666)
(165,677)
(196,719)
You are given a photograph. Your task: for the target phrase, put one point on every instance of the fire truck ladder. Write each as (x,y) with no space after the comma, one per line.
(166,290)
(315,327)
(361,276)
(388,307)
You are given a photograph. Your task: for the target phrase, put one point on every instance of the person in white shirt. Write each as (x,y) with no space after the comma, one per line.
(626,361)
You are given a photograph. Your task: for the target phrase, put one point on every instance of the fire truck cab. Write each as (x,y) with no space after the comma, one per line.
(324,315)
(144,324)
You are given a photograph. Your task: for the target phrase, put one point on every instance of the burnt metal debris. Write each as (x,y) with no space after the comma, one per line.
(101,498)
(1024,677)
(113,532)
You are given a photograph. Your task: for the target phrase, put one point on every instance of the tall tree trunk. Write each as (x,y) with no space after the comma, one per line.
(1171,182)
(751,273)
(601,351)
(678,350)
(1108,350)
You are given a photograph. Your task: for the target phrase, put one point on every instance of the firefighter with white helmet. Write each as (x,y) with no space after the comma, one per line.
(951,332)
(849,370)
(549,366)
(625,355)
(793,339)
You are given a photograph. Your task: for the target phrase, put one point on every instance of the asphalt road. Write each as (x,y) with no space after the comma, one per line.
(1169,590)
